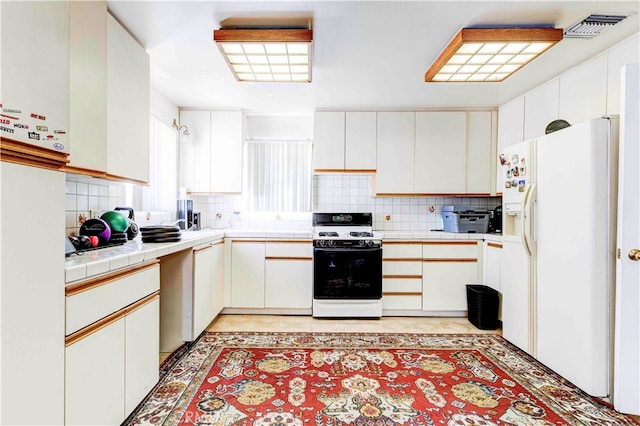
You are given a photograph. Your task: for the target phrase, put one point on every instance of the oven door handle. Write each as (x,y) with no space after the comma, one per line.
(346,250)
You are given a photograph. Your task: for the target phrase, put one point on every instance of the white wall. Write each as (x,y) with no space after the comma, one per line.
(163,108)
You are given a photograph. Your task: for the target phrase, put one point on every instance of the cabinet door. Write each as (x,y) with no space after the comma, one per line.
(395,153)
(127,105)
(218,277)
(142,345)
(511,123)
(444,284)
(288,283)
(440,152)
(94,384)
(583,91)
(195,151)
(492,260)
(480,164)
(328,140)
(360,141)
(247,274)
(88,85)
(35,68)
(541,107)
(202,288)
(226,151)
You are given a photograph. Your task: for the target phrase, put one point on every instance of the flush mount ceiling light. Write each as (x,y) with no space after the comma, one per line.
(267,55)
(490,54)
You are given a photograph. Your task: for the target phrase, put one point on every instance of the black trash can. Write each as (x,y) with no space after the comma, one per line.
(482,306)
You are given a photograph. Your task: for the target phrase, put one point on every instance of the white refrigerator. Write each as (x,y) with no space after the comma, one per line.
(560,294)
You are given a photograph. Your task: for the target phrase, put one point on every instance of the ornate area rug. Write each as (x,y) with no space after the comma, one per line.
(338,379)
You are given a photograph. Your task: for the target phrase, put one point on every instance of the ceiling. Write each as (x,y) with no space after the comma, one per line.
(367,55)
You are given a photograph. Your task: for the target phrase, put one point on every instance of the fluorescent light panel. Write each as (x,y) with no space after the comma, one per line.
(490,54)
(267,55)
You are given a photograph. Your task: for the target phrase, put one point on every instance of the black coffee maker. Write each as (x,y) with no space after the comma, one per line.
(495,222)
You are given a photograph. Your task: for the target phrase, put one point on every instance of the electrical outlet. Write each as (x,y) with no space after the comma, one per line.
(94,214)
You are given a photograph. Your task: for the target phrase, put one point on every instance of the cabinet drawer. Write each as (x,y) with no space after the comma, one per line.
(402,302)
(450,250)
(289,249)
(402,267)
(91,300)
(402,285)
(397,250)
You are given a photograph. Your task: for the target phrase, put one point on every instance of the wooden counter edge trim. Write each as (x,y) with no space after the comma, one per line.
(74,289)
(429,194)
(402,259)
(109,319)
(287,258)
(18,152)
(69,168)
(142,302)
(399,293)
(92,328)
(496,245)
(391,242)
(344,171)
(201,249)
(394,276)
(461,259)
(235,240)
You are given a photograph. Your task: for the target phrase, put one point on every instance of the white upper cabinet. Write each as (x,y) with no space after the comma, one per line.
(211,156)
(127,105)
(627,52)
(480,163)
(226,151)
(511,123)
(541,108)
(328,140)
(395,153)
(360,144)
(88,85)
(583,91)
(35,72)
(440,152)
(344,141)
(195,151)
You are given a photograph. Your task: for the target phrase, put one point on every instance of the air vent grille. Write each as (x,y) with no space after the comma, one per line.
(593,25)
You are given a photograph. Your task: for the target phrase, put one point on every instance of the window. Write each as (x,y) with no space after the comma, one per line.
(162,192)
(279,176)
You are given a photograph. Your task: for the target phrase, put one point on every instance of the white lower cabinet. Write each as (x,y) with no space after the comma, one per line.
(446,270)
(142,342)
(492,267)
(111,362)
(202,288)
(288,275)
(247,274)
(217,259)
(401,276)
(94,382)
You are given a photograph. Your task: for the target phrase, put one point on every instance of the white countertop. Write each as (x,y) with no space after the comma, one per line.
(96,262)
(101,261)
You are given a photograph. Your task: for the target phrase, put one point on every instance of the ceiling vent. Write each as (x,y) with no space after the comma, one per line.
(593,25)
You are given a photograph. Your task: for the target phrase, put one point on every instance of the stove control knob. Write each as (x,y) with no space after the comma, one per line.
(321,243)
(331,243)
(362,243)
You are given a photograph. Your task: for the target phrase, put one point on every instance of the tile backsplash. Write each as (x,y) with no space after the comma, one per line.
(341,193)
(90,197)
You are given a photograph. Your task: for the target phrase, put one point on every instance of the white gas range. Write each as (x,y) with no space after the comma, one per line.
(347,266)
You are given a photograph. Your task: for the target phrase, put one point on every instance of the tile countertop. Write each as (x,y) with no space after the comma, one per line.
(97,262)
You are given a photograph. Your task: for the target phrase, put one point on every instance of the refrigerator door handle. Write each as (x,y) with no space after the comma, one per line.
(527,219)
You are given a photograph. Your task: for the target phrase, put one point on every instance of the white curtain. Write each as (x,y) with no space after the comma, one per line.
(279,176)
(162,192)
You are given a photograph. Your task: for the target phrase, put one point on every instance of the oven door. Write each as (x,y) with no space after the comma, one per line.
(347,273)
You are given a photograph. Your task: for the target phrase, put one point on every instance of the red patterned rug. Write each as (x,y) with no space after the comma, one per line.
(337,379)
